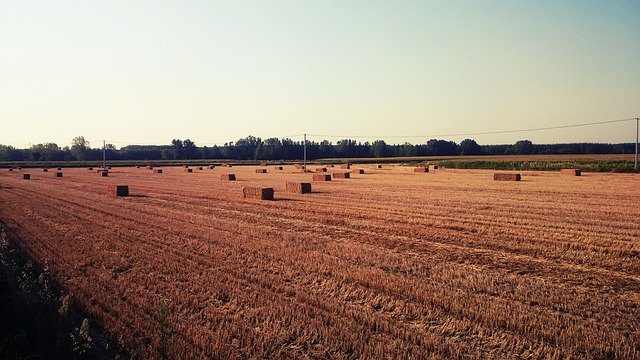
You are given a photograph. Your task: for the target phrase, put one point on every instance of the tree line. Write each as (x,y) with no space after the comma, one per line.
(255,148)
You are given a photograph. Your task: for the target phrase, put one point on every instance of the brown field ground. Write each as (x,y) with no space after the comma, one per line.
(387,264)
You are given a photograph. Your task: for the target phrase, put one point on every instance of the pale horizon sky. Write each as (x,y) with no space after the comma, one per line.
(147,72)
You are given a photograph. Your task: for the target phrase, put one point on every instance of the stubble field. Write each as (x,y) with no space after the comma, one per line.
(386,264)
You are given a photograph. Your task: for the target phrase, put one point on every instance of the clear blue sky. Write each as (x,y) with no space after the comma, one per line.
(146,72)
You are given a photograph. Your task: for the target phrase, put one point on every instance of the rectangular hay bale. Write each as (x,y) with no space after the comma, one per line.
(321,177)
(341,175)
(323,169)
(421,169)
(506,177)
(361,171)
(58,174)
(298,188)
(433,167)
(158,171)
(570,172)
(261,171)
(118,190)
(227,177)
(105,173)
(189,170)
(345,166)
(278,168)
(26,176)
(257,193)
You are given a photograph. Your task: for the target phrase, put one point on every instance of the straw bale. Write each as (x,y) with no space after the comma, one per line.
(257,193)
(341,175)
(278,168)
(323,169)
(345,166)
(158,171)
(26,176)
(261,171)
(321,177)
(506,177)
(118,190)
(298,188)
(360,171)
(58,174)
(570,172)
(189,170)
(227,177)
(421,169)
(104,173)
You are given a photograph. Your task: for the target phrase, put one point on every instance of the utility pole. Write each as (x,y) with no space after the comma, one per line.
(636,164)
(104,155)
(304,161)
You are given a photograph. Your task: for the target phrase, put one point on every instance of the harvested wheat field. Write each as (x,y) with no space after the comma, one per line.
(391,264)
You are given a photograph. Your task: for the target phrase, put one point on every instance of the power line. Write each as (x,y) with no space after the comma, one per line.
(480,133)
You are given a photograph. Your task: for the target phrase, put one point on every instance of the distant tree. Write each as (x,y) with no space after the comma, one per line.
(346,148)
(408,149)
(178,149)
(442,148)
(45,152)
(246,147)
(326,149)
(190,149)
(80,148)
(522,147)
(379,148)
(470,147)
(4,152)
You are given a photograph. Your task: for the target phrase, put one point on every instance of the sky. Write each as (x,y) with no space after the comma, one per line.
(147,72)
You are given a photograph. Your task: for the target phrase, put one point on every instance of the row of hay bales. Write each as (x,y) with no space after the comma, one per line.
(262,193)
(249,192)
(518,177)
(335,175)
(27,176)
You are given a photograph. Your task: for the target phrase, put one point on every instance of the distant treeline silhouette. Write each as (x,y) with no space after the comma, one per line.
(255,148)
